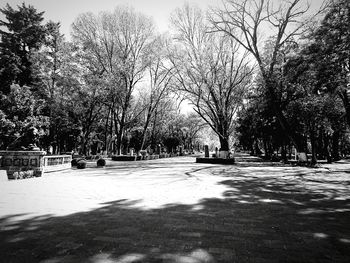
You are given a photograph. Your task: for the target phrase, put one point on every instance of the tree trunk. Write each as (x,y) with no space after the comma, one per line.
(335,146)
(266,149)
(118,128)
(144,132)
(224,144)
(328,154)
(284,152)
(257,150)
(346,102)
(106,131)
(313,147)
(119,139)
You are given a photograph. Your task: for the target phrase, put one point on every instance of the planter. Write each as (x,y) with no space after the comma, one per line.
(215,160)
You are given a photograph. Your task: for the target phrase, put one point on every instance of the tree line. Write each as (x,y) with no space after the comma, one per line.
(107,90)
(261,75)
(301,97)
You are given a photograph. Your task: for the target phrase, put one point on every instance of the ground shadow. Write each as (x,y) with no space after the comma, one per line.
(258,219)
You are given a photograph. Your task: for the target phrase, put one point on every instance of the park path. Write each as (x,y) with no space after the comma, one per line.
(174,210)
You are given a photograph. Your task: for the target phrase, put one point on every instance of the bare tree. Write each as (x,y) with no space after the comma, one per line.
(211,70)
(194,126)
(247,21)
(120,43)
(160,75)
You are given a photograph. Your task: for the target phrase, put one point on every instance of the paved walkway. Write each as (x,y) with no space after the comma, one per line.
(174,210)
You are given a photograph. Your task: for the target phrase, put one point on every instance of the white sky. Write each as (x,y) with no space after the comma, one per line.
(65,11)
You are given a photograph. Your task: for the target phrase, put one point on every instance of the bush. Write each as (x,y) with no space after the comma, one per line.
(74,162)
(101,162)
(81,164)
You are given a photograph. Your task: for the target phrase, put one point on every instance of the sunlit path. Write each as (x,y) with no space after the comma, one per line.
(150,184)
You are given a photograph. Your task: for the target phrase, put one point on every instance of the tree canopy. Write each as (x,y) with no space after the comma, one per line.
(116,85)
(22,32)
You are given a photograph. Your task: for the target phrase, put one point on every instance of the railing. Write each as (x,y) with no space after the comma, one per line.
(57,162)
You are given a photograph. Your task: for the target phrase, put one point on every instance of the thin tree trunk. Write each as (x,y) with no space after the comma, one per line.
(313,146)
(335,146)
(106,130)
(325,148)
(144,132)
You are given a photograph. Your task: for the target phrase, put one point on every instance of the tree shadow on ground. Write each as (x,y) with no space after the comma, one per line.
(258,219)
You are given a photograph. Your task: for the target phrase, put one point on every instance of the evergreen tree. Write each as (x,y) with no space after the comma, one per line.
(21,32)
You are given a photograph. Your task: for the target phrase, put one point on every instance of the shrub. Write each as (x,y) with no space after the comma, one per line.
(74,162)
(101,162)
(81,164)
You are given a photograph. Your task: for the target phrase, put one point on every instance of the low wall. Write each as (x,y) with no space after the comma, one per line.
(140,158)
(215,160)
(23,164)
(54,163)
(125,158)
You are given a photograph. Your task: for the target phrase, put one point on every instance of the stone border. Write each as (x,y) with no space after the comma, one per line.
(128,158)
(215,160)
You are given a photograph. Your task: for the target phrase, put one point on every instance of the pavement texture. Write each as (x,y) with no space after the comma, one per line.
(176,210)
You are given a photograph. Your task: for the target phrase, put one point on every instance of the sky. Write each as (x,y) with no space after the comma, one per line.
(65,11)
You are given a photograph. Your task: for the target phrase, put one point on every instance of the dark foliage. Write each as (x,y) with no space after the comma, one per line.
(81,164)
(101,162)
